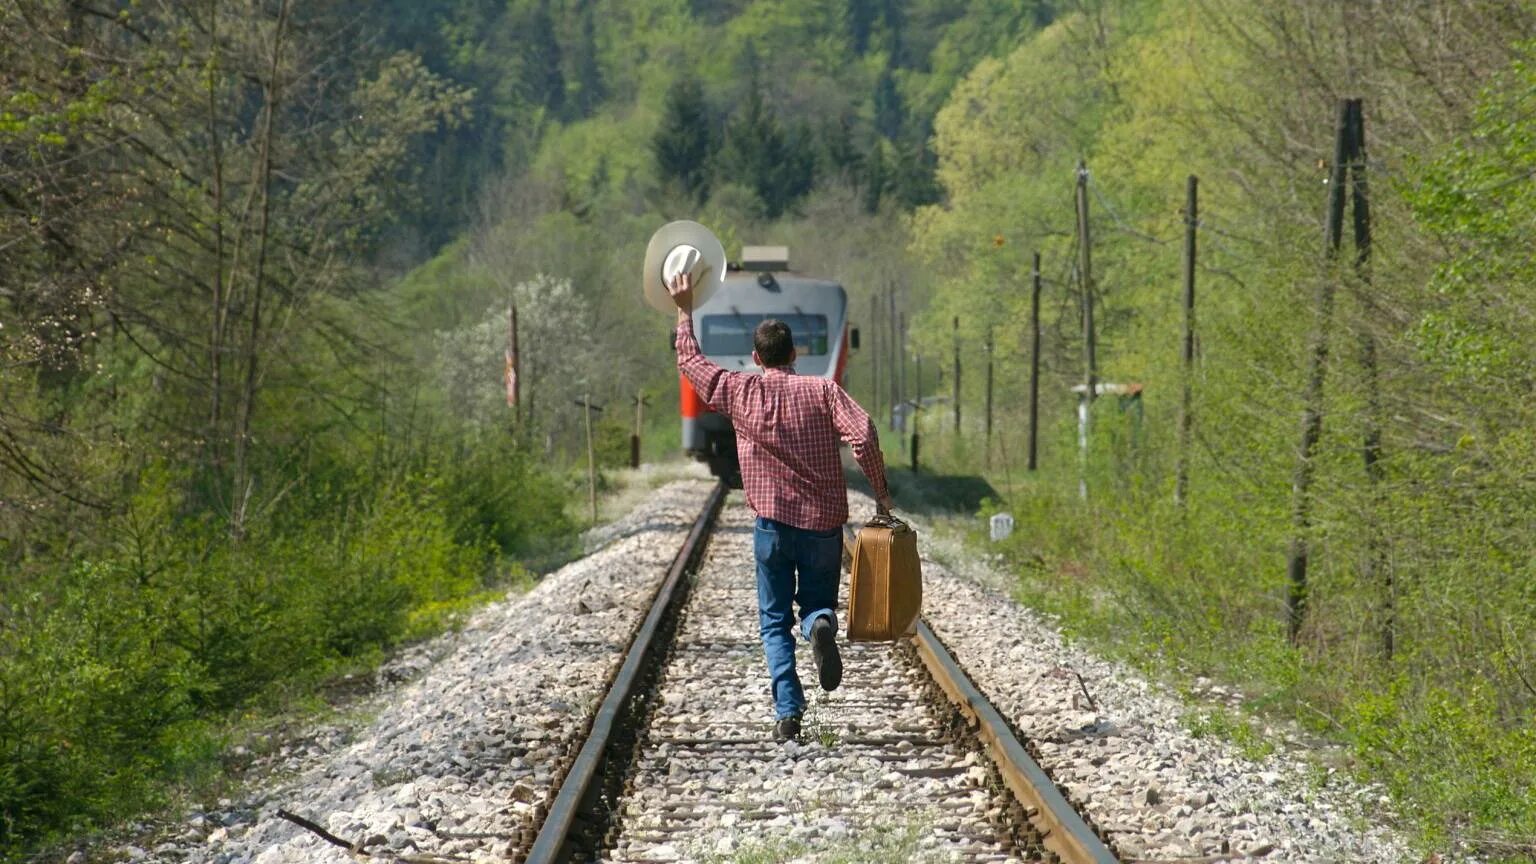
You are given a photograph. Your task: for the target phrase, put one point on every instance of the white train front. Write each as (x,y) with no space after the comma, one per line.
(762,287)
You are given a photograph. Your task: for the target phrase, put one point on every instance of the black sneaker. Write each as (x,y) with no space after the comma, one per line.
(829,664)
(787,729)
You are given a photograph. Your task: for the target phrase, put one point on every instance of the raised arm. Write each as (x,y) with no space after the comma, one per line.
(712,383)
(855,428)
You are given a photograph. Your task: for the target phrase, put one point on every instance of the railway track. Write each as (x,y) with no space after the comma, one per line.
(905,761)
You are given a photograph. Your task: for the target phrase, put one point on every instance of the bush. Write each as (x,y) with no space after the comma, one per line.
(116,672)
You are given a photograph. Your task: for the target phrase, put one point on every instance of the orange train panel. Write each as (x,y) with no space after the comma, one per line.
(691,405)
(842,359)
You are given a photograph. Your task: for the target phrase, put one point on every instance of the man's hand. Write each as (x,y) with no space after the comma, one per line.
(884,505)
(681,289)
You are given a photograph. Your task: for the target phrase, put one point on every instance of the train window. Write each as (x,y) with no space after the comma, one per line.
(732,334)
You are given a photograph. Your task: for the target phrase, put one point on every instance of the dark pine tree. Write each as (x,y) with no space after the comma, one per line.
(541,76)
(915,182)
(890,112)
(684,146)
(876,177)
(861,23)
(895,24)
(779,168)
(586,74)
(841,155)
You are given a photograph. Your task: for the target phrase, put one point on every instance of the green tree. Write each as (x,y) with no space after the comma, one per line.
(877,177)
(890,113)
(587,74)
(778,167)
(539,57)
(684,145)
(862,15)
(840,152)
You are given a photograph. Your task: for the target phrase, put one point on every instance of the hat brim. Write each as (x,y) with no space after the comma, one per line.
(709,273)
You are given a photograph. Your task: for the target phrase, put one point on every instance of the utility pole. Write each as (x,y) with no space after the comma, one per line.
(874,355)
(514,382)
(1377,570)
(894,351)
(917,410)
(1312,411)
(1090,363)
(1191,222)
(957,374)
(987,459)
(1034,365)
(586,411)
(634,440)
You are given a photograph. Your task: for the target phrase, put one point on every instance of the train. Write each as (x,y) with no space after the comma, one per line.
(758,287)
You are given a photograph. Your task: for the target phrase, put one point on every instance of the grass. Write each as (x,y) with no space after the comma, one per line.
(815,728)
(1226,725)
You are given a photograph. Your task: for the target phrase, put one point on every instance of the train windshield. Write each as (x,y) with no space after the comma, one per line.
(732,334)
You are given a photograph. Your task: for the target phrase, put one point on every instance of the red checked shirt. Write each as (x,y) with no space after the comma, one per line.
(787,428)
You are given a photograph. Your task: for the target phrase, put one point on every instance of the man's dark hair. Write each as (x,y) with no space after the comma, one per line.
(773,343)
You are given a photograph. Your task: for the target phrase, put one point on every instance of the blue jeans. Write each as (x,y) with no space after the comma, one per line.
(781,550)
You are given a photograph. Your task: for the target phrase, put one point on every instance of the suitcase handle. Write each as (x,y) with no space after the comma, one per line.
(885,520)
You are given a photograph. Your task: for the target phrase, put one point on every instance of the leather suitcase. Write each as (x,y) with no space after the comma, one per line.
(886,585)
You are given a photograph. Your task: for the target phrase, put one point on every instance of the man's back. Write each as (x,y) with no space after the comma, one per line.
(787,431)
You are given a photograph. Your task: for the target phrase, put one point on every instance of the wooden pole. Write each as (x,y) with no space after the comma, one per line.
(586,412)
(1034,366)
(874,355)
(1186,400)
(901,348)
(957,373)
(894,349)
(517,378)
(1312,401)
(987,459)
(1377,570)
(634,440)
(917,410)
(1090,360)
(1085,270)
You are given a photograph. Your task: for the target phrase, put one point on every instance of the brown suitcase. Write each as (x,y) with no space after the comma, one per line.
(886,585)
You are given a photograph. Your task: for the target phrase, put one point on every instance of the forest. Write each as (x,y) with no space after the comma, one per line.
(257,258)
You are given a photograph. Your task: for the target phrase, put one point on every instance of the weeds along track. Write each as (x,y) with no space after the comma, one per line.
(900,763)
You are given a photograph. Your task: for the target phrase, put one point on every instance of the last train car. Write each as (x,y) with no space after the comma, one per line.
(762,287)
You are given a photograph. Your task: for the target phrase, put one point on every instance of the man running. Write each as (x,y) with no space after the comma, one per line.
(787,429)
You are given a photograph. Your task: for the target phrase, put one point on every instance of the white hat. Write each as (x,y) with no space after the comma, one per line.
(682,247)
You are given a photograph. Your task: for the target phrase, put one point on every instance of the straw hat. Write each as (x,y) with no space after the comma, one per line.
(679,247)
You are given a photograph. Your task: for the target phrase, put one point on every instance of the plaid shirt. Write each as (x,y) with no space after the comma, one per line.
(787,428)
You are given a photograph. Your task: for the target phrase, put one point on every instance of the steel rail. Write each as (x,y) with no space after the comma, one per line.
(1062,829)
(551,843)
